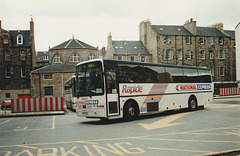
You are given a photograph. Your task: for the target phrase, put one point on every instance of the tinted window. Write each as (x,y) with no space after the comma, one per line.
(174,75)
(155,74)
(89,79)
(190,75)
(130,73)
(204,76)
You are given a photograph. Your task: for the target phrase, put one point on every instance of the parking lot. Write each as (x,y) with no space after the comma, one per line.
(213,130)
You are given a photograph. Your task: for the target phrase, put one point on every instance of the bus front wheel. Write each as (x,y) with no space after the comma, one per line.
(130,111)
(192,103)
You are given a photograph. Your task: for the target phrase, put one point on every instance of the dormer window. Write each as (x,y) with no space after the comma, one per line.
(167,40)
(19,39)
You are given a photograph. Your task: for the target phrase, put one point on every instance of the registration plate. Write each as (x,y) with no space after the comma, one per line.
(85,113)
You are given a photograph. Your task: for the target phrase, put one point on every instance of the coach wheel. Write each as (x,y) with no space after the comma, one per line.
(130,111)
(192,103)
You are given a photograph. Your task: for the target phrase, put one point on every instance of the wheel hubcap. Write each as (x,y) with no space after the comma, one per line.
(131,111)
(193,104)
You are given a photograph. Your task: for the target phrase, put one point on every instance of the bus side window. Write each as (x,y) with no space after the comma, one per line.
(175,74)
(204,76)
(111,81)
(130,73)
(155,74)
(190,75)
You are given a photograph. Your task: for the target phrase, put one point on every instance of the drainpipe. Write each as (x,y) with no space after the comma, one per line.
(39,81)
(196,53)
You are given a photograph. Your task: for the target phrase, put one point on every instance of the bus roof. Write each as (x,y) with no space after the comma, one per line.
(143,63)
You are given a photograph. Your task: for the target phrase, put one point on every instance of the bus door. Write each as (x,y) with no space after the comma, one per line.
(112,91)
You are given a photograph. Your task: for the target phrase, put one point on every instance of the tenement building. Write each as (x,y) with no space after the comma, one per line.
(17,57)
(191,45)
(127,50)
(50,80)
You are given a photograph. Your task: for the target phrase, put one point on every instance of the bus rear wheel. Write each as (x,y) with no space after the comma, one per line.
(130,111)
(192,103)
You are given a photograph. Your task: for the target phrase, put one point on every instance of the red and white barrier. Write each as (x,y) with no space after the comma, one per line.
(37,104)
(228,91)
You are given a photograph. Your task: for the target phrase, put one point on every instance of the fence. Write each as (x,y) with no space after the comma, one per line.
(228,91)
(37,104)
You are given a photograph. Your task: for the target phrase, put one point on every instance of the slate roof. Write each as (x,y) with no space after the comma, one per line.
(180,30)
(231,33)
(171,30)
(24,33)
(129,47)
(40,55)
(210,31)
(56,68)
(73,43)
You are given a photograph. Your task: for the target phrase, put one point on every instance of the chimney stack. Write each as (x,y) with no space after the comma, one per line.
(32,42)
(191,26)
(219,26)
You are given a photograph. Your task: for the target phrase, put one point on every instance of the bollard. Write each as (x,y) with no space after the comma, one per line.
(5,109)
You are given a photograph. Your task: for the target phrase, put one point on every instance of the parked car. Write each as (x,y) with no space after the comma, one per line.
(6,103)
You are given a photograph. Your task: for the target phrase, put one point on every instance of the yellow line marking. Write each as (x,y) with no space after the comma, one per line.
(27,147)
(181,150)
(202,130)
(233,133)
(6,121)
(165,122)
(182,140)
(53,122)
(53,143)
(26,127)
(20,129)
(16,130)
(136,137)
(207,133)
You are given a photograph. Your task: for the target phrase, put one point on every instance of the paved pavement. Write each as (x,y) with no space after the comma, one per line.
(199,136)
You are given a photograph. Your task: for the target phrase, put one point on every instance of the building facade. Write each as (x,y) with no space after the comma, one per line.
(191,45)
(18,59)
(42,59)
(49,80)
(72,51)
(127,51)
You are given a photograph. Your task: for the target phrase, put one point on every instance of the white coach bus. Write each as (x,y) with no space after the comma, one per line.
(69,93)
(109,89)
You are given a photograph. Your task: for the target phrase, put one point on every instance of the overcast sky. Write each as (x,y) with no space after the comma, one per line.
(92,20)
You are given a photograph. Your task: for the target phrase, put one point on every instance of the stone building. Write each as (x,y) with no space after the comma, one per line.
(42,58)
(72,51)
(191,45)
(49,80)
(127,50)
(18,59)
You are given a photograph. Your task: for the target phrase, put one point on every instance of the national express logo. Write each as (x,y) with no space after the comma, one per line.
(132,89)
(193,87)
